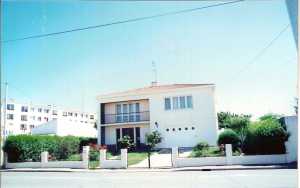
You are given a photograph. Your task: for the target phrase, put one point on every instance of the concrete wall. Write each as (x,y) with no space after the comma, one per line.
(54,164)
(202,117)
(105,163)
(291,123)
(226,160)
(65,128)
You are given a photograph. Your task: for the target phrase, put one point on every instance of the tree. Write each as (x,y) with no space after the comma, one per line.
(271,116)
(223,119)
(240,125)
(152,140)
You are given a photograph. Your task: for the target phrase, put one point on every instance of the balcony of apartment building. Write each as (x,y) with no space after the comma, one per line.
(128,112)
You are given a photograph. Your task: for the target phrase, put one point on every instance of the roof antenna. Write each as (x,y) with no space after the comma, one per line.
(154,83)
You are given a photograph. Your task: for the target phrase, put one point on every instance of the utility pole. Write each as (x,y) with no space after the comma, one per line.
(154,83)
(3,127)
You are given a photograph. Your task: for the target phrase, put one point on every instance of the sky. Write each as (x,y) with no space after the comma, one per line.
(214,45)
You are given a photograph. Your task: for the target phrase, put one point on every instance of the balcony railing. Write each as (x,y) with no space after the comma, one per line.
(126,117)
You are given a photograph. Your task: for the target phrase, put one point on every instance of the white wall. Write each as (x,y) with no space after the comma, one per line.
(291,123)
(202,116)
(65,128)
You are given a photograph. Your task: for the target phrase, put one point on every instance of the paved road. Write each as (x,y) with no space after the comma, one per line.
(283,178)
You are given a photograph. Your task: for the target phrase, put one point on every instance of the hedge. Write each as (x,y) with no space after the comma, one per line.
(266,137)
(29,147)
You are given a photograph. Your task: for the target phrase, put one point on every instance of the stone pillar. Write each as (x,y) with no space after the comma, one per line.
(124,158)
(228,150)
(102,155)
(174,156)
(85,156)
(44,158)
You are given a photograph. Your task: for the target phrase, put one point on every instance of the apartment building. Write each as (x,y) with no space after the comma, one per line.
(21,118)
(184,114)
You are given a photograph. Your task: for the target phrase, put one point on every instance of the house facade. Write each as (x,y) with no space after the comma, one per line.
(184,114)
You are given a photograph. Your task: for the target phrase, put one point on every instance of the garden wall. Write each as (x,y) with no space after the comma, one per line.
(226,160)
(54,164)
(112,163)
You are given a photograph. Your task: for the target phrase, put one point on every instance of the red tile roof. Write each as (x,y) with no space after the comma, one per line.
(151,89)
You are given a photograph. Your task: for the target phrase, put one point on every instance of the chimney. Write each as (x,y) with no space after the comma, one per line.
(153,84)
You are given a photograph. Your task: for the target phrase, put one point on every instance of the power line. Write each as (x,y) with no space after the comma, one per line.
(261,52)
(122,22)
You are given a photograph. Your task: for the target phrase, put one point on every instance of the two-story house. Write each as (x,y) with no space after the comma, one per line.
(184,114)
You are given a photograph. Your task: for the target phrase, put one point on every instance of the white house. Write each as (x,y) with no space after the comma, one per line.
(184,114)
(21,118)
(62,127)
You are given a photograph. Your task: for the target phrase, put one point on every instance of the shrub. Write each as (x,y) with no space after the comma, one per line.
(228,136)
(29,147)
(126,142)
(201,146)
(86,141)
(68,145)
(266,137)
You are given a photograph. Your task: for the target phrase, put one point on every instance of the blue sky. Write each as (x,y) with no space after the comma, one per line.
(207,46)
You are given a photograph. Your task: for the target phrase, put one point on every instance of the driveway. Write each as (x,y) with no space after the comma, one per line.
(160,159)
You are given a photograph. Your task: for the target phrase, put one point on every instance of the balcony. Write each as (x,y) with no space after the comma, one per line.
(126,117)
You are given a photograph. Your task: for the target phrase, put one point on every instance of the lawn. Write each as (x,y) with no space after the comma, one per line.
(133,158)
(136,157)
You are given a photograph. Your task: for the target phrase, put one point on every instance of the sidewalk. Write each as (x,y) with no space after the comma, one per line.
(130,169)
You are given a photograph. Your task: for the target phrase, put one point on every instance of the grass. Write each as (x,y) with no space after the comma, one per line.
(136,157)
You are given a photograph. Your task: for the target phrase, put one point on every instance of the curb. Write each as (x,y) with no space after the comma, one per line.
(184,169)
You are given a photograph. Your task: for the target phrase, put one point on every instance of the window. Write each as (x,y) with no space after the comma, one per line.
(179,129)
(24,109)
(10,116)
(81,115)
(175,102)
(125,112)
(23,127)
(39,119)
(32,117)
(23,118)
(167,104)
(31,126)
(189,101)
(46,111)
(32,109)
(46,119)
(70,114)
(167,130)
(193,128)
(39,109)
(87,116)
(182,102)
(91,116)
(75,114)
(10,106)
(173,129)
(54,112)
(64,113)
(186,128)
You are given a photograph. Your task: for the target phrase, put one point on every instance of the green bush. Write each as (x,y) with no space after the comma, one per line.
(94,154)
(126,142)
(201,146)
(228,136)
(266,137)
(29,147)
